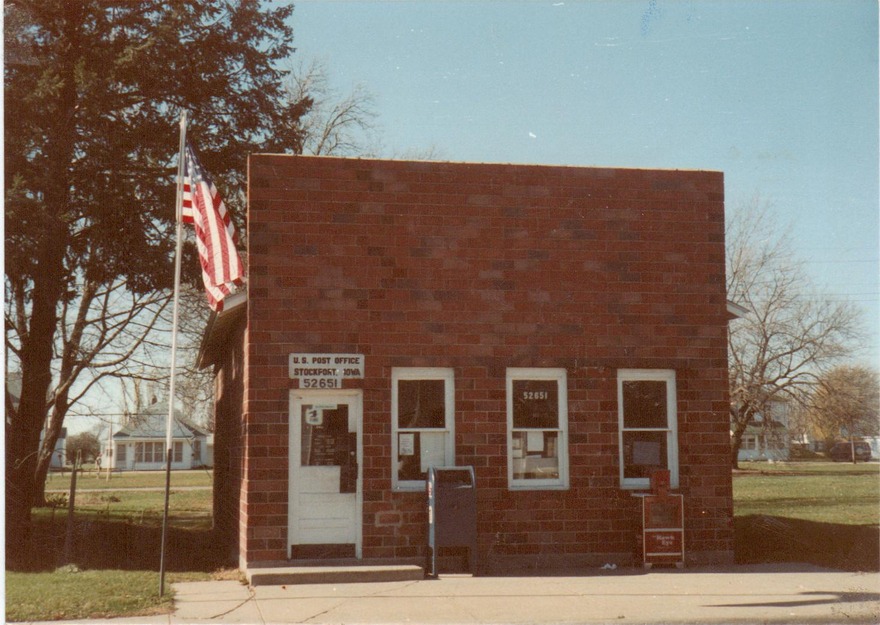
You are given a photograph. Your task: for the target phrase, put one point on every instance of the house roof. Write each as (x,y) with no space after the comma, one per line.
(735,311)
(152,423)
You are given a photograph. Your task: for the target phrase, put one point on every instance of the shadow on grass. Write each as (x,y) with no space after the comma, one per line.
(124,546)
(764,539)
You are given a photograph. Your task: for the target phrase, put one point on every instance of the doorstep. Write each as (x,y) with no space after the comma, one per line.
(289,575)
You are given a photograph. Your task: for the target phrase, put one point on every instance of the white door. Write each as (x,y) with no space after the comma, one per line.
(324,510)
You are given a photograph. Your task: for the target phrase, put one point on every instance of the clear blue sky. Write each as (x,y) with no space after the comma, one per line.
(780,96)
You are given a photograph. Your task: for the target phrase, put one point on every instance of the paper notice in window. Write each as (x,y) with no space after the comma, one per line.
(433,450)
(535,441)
(406,444)
(646,452)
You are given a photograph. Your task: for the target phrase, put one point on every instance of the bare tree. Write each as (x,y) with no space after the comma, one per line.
(845,403)
(105,331)
(86,443)
(790,335)
(194,387)
(330,124)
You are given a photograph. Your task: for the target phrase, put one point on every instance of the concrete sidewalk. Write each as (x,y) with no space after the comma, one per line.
(755,594)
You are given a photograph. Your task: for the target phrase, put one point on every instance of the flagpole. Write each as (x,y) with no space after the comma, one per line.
(181,157)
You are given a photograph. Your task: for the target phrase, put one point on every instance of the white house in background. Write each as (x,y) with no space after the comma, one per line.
(767,441)
(139,445)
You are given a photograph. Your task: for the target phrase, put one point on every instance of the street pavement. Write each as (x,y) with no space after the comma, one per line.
(768,594)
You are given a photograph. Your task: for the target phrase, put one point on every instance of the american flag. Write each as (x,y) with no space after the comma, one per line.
(203,207)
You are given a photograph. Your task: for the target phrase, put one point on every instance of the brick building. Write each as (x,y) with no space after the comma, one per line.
(560,329)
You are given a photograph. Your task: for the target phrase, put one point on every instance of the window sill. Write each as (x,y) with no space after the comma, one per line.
(521,487)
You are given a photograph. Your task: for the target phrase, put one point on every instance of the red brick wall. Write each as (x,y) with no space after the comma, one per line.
(483,267)
(228,439)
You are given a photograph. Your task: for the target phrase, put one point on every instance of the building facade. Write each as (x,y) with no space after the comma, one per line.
(770,439)
(560,329)
(140,444)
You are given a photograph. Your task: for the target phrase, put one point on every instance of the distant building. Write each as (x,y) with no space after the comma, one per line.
(140,444)
(767,438)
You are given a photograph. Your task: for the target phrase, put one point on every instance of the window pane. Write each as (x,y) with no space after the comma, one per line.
(535,404)
(178,452)
(535,455)
(643,453)
(644,404)
(421,403)
(416,451)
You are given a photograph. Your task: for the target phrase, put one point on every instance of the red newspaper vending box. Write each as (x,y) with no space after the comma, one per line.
(662,524)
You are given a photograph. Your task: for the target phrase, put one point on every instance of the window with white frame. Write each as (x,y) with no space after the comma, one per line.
(178,451)
(648,425)
(120,453)
(537,429)
(423,420)
(750,442)
(149,452)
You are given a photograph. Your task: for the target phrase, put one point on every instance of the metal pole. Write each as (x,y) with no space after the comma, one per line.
(111,458)
(181,157)
(71,504)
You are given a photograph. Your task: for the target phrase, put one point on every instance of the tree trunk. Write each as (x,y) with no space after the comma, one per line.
(67,375)
(47,450)
(22,441)
(23,433)
(740,423)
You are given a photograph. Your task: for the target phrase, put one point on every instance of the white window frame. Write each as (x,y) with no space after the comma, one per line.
(178,451)
(121,453)
(671,429)
(561,378)
(422,373)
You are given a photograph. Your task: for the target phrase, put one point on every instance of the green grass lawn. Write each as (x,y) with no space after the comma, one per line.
(826,492)
(68,594)
(129,479)
(186,508)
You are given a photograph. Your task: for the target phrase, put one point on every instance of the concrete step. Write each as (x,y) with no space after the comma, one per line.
(289,575)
